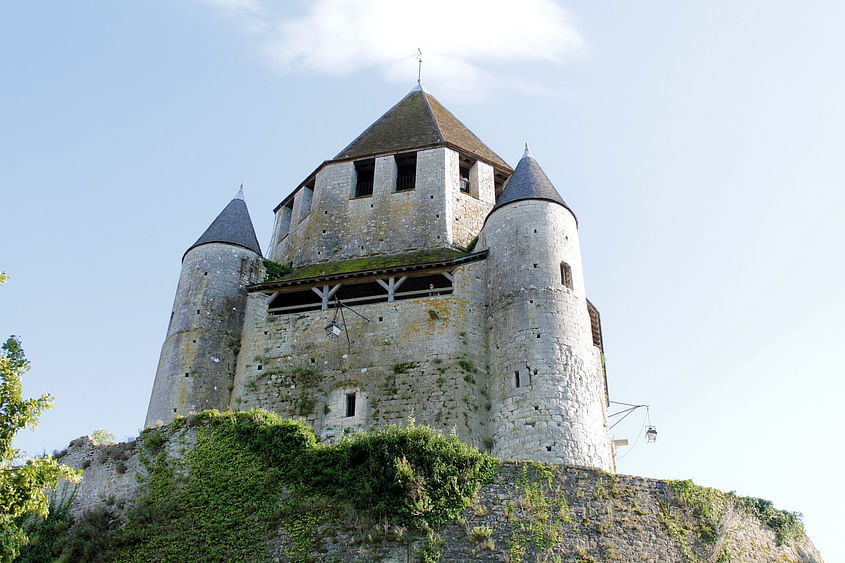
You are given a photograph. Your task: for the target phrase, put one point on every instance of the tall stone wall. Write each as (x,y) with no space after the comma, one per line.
(552,513)
(332,224)
(549,402)
(423,358)
(197,362)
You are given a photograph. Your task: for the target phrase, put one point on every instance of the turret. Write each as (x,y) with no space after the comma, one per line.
(197,364)
(547,380)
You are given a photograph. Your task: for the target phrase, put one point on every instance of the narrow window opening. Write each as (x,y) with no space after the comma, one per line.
(350,404)
(174,410)
(194,341)
(566,275)
(283,218)
(198,311)
(187,374)
(364,174)
(535,265)
(464,178)
(313,360)
(516,378)
(205,274)
(535,231)
(538,335)
(306,196)
(260,367)
(468,175)
(406,171)
(380,319)
(536,407)
(548,448)
(499,179)
(595,324)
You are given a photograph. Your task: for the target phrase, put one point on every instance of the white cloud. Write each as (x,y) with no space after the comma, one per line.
(461,40)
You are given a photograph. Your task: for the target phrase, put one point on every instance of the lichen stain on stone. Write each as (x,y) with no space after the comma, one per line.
(183,396)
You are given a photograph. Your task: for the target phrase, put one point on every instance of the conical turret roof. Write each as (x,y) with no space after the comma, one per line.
(232,226)
(528,181)
(418,121)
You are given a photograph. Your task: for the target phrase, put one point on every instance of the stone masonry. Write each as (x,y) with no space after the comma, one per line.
(495,343)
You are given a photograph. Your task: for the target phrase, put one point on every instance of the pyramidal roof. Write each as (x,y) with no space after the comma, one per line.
(232,226)
(528,181)
(417,121)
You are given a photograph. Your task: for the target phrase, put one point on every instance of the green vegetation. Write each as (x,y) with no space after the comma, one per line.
(363,264)
(404,367)
(539,515)
(252,472)
(787,525)
(103,437)
(59,538)
(305,404)
(472,243)
(479,533)
(703,509)
(21,486)
(274,270)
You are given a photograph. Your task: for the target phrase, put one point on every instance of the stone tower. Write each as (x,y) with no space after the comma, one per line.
(547,379)
(463,291)
(197,363)
(416,179)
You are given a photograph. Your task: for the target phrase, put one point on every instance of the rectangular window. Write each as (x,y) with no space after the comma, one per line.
(516,378)
(350,404)
(464,178)
(406,171)
(595,324)
(364,175)
(468,175)
(566,275)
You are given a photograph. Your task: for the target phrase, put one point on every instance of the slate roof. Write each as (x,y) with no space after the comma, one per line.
(418,120)
(528,181)
(232,226)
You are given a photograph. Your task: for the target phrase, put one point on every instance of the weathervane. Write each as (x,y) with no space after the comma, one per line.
(419,67)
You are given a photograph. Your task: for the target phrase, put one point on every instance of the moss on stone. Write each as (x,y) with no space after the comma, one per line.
(371,263)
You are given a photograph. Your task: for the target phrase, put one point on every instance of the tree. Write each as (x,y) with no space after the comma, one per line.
(21,486)
(103,437)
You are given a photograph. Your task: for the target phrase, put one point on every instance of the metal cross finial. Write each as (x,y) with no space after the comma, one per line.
(419,68)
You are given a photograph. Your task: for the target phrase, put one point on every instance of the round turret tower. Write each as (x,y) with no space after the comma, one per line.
(548,392)
(197,364)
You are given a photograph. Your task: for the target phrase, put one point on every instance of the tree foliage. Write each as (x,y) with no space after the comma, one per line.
(21,486)
(103,437)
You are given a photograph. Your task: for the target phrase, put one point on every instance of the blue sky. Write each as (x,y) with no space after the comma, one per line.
(699,144)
